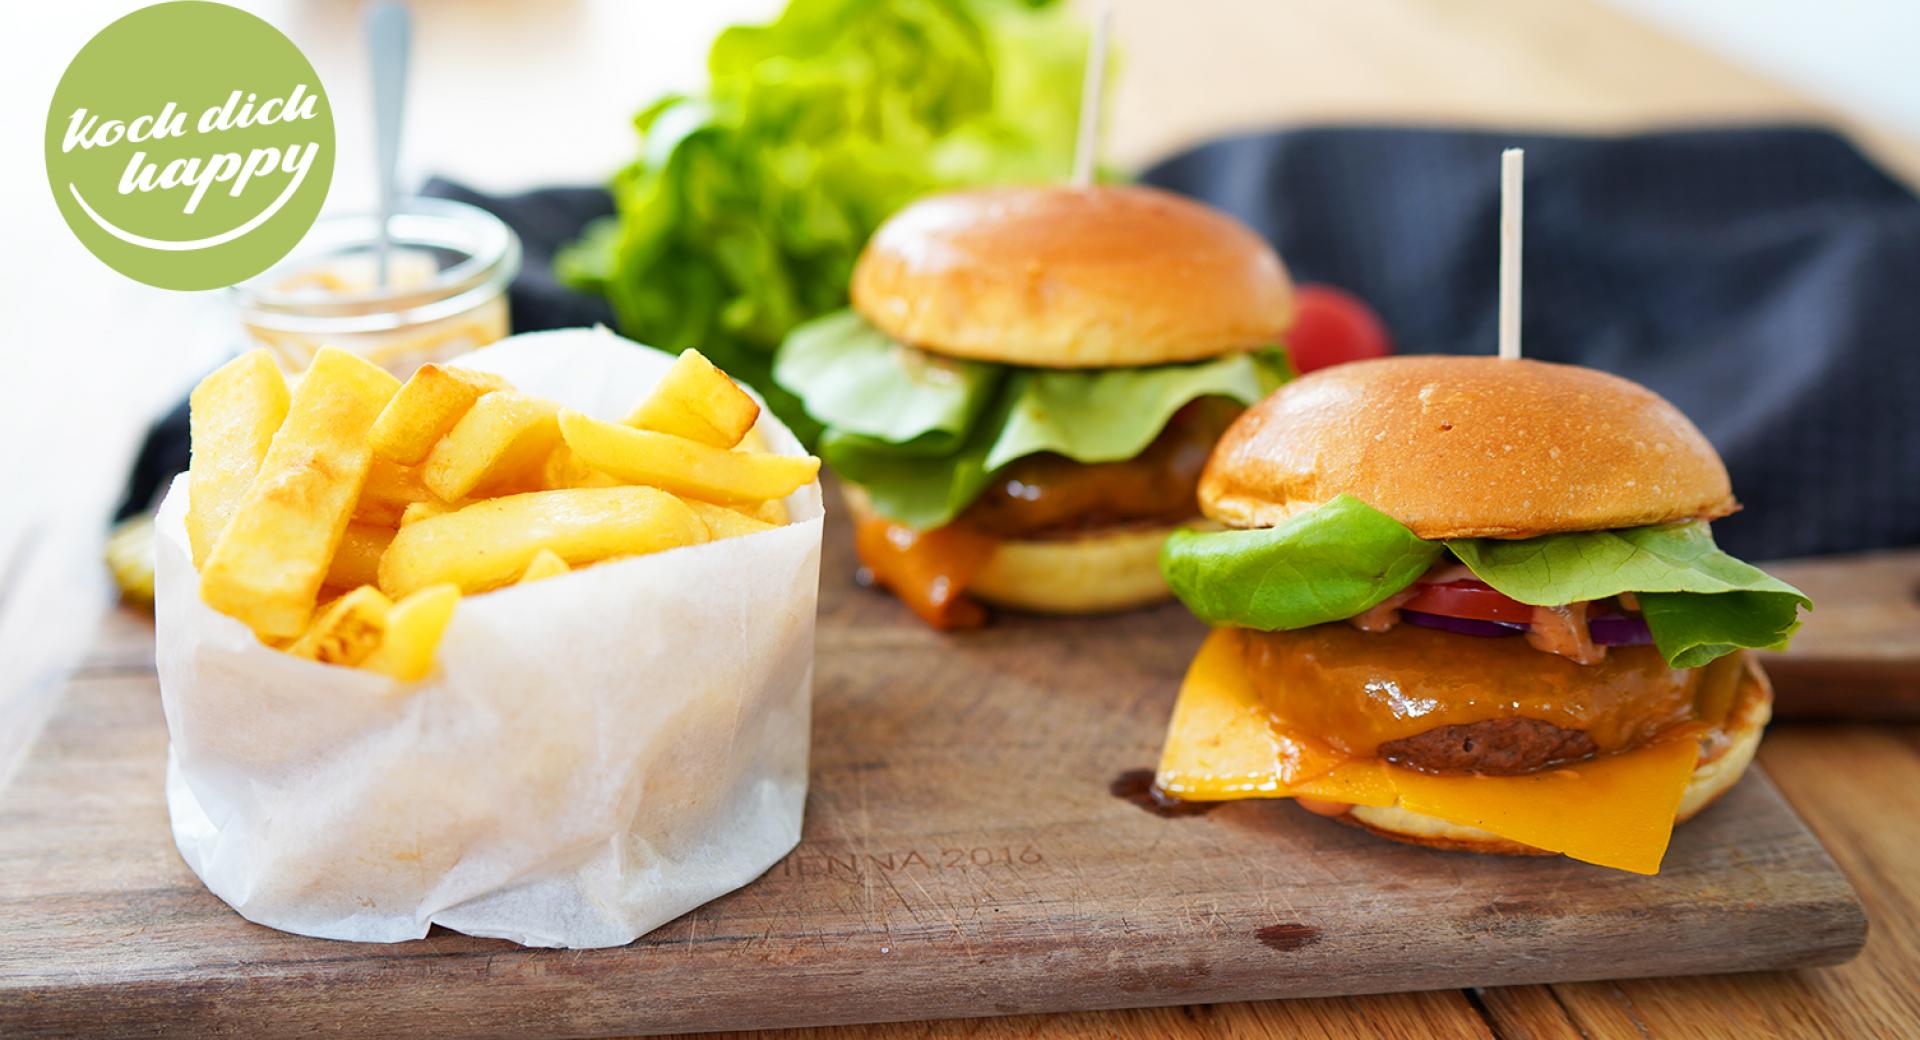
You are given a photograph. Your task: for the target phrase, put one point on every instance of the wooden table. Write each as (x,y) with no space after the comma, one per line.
(93,355)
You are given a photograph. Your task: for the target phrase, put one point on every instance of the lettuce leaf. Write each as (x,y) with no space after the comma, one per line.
(1326,564)
(1698,602)
(923,435)
(1104,415)
(920,491)
(857,381)
(748,202)
(1337,560)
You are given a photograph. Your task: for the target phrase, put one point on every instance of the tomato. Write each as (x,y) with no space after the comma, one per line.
(1331,326)
(1468,599)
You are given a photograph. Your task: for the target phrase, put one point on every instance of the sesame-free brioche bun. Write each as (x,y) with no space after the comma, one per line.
(1721,766)
(1065,277)
(1094,572)
(1467,447)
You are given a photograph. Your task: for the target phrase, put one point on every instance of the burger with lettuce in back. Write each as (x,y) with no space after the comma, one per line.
(1029,382)
(1472,603)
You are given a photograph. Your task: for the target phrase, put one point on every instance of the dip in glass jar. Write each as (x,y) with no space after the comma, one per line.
(445,294)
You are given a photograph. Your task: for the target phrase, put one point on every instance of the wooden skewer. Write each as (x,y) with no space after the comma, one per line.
(1513,163)
(1087,144)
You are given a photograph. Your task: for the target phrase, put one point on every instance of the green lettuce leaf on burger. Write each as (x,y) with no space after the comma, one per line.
(1473,604)
(1344,558)
(1021,398)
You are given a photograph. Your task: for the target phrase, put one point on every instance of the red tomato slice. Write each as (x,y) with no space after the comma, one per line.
(1331,326)
(1468,599)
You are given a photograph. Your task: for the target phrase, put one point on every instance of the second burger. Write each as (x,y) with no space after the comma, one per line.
(1022,398)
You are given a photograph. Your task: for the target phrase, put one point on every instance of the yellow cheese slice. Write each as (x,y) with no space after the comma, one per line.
(1223,743)
(1615,811)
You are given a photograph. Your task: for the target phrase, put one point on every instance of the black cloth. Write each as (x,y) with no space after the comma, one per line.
(545,220)
(1765,280)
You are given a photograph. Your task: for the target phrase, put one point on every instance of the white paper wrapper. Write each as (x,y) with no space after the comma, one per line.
(595,754)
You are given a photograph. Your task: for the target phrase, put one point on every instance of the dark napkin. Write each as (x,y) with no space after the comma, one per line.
(545,220)
(1766,280)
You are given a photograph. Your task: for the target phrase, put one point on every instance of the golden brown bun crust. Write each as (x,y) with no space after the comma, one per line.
(1720,768)
(1062,277)
(1097,572)
(1468,447)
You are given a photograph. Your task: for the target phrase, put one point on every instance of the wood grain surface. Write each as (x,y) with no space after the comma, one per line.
(1858,655)
(977,843)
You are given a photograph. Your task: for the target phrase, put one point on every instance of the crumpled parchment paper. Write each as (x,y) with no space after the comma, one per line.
(594,755)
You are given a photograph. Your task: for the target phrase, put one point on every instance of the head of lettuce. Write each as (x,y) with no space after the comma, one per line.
(1472,604)
(1028,384)
(742,212)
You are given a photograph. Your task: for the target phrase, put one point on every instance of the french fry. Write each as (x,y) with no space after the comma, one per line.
(357,561)
(503,439)
(129,555)
(684,467)
(346,630)
(772,511)
(426,407)
(389,490)
(563,469)
(490,543)
(431,507)
(697,401)
(413,631)
(546,564)
(723,522)
(267,567)
(233,414)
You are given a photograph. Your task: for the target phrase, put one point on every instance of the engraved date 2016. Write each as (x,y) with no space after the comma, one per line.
(813,862)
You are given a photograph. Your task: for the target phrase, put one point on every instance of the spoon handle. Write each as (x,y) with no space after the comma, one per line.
(389,39)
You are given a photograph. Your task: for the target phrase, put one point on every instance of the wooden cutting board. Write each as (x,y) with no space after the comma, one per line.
(1858,654)
(978,842)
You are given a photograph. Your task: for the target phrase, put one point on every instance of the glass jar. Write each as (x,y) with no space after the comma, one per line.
(448,272)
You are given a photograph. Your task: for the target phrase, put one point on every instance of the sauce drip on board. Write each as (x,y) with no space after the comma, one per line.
(1136,787)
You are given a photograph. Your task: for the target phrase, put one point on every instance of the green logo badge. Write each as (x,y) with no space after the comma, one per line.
(190,145)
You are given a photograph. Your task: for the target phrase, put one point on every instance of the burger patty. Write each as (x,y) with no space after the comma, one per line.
(1439,701)
(1495,747)
(1051,496)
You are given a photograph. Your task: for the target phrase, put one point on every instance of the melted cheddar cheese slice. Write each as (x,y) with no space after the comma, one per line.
(1615,811)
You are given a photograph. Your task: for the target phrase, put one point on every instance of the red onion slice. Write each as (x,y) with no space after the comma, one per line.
(1619,630)
(1461,626)
(1607,630)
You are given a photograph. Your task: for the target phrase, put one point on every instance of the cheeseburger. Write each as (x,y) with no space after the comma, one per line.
(1027,386)
(1474,604)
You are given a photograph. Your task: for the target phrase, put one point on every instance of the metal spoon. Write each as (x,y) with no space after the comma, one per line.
(389,38)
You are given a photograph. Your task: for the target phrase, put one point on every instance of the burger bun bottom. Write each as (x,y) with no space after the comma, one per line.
(1100,571)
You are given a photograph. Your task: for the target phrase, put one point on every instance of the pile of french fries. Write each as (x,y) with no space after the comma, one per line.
(342,519)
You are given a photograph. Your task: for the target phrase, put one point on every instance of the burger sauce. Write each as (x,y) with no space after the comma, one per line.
(1042,497)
